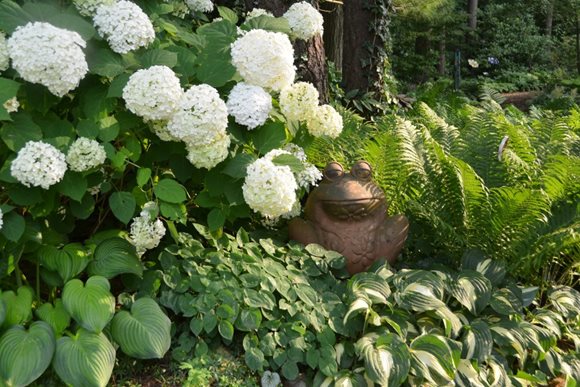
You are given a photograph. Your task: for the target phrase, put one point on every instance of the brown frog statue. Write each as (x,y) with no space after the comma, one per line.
(347,213)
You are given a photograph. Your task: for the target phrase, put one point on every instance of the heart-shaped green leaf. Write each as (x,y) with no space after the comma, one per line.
(56,316)
(25,354)
(145,332)
(87,359)
(18,306)
(113,257)
(2,311)
(68,262)
(91,305)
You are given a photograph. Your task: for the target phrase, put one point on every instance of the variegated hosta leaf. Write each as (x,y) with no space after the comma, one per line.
(494,271)
(386,358)
(472,290)
(566,300)
(68,262)
(531,337)
(91,305)
(421,277)
(505,302)
(145,332)
(507,334)
(433,359)
(370,285)
(56,316)
(496,374)
(86,359)
(25,354)
(18,306)
(113,257)
(549,320)
(358,305)
(467,376)
(477,341)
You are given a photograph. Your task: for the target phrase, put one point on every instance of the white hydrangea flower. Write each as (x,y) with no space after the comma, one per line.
(269,189)
(4,57)
(200,5)
(160,129)
(298,101)
(249,105)
(1,219)
(201,116)
(257,12)
(11,105)
(125,26)
(305,20)
(210,155)
(89,7)
(85,154)
(38,164)
(309,175)
(146,231)
(264,59)
(325,122)
(53,57)
(153,93)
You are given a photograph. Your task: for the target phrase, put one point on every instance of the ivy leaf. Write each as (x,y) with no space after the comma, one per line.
(25,354)
(86,358)
(144,333)
(123,205)
(170,191)
(113,257)
(91,305)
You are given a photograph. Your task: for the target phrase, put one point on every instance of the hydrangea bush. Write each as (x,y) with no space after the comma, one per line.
(123,124)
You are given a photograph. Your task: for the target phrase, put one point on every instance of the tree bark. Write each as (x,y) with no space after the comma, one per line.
(472,12)
(356,34)
(441,67)
(310,58)
(549,18)
(577,43)
(333,34)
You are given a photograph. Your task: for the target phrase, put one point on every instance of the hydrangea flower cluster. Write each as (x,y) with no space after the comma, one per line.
(257,12)
(200,5)
(1,219)
(85,154)
(51,56)
(298,101)
(268,188)
(38,164)
(310,175)
(146,230)
(325,121)
(153,93)
(125,26)
(305,21)
(4,57)
(89,7)
(264,59)
(201,116)
(160,129)
(249,105)
(210,155)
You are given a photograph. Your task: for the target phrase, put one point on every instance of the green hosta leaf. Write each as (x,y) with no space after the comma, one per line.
(18,306)
(372,286)
(54,315)
(25,354)
(386,358)
(472,289)
(269,136)
(433,359)
(91,305)
(3,311)
(566,300)
(505,302)
(477,341)
(123,205)
(268,23)
(145,332)
(113,257)
(170,191)
(85,359)
(68,262)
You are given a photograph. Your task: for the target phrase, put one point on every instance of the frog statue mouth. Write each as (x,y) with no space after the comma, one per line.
(351,209)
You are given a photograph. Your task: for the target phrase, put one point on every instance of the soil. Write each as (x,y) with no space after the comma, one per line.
(520,99)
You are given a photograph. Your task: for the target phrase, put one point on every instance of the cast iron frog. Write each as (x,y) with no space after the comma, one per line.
(347,213)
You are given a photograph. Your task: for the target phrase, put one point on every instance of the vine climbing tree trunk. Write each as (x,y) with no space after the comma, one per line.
(310,56)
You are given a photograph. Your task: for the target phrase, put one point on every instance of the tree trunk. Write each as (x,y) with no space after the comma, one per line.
(550,18)
(441,67)
(577,43)
(366,44)
(472,12)
(333,34)
(310,58)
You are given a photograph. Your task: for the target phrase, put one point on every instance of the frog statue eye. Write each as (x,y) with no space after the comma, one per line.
(362,170)
(333,170)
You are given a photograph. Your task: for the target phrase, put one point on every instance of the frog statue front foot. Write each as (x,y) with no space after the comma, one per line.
(347,213)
